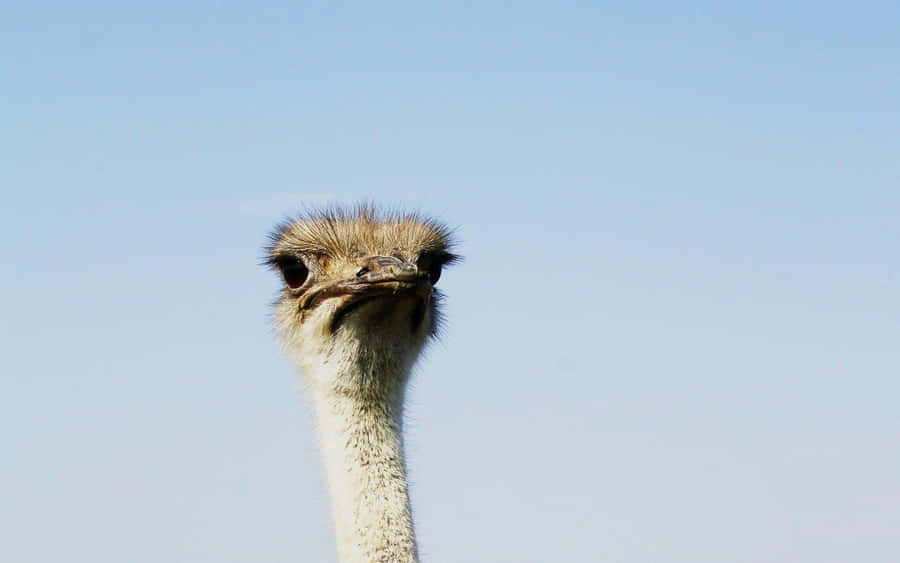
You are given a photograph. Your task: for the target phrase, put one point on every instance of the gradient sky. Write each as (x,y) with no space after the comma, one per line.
(674,336)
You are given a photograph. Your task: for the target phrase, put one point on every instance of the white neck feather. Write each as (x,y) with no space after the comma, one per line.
(363,452)
(358,404)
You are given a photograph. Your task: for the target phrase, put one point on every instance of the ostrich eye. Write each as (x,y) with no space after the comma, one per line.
(294,272)
(434,272)
(433,263)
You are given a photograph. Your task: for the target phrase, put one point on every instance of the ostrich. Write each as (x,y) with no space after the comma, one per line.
(357,307)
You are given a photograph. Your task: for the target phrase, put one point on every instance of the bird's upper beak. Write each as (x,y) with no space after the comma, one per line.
(387,268)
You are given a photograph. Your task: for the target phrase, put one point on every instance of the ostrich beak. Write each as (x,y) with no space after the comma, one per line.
(387,268)
(378,276)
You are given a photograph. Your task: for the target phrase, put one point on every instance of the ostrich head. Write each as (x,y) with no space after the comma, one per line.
(358,292)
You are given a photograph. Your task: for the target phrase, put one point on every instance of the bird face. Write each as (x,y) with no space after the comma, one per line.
(359,283)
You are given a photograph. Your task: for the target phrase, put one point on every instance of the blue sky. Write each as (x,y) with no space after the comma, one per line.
(674,336)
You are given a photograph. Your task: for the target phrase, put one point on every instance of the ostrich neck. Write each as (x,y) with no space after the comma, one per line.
(359,418)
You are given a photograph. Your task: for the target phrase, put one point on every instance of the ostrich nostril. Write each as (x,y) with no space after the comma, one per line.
(362,271)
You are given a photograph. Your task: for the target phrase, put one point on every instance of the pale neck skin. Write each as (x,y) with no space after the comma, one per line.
(357,393)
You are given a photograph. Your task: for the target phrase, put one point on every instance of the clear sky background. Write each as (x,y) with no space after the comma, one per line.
(674,337)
